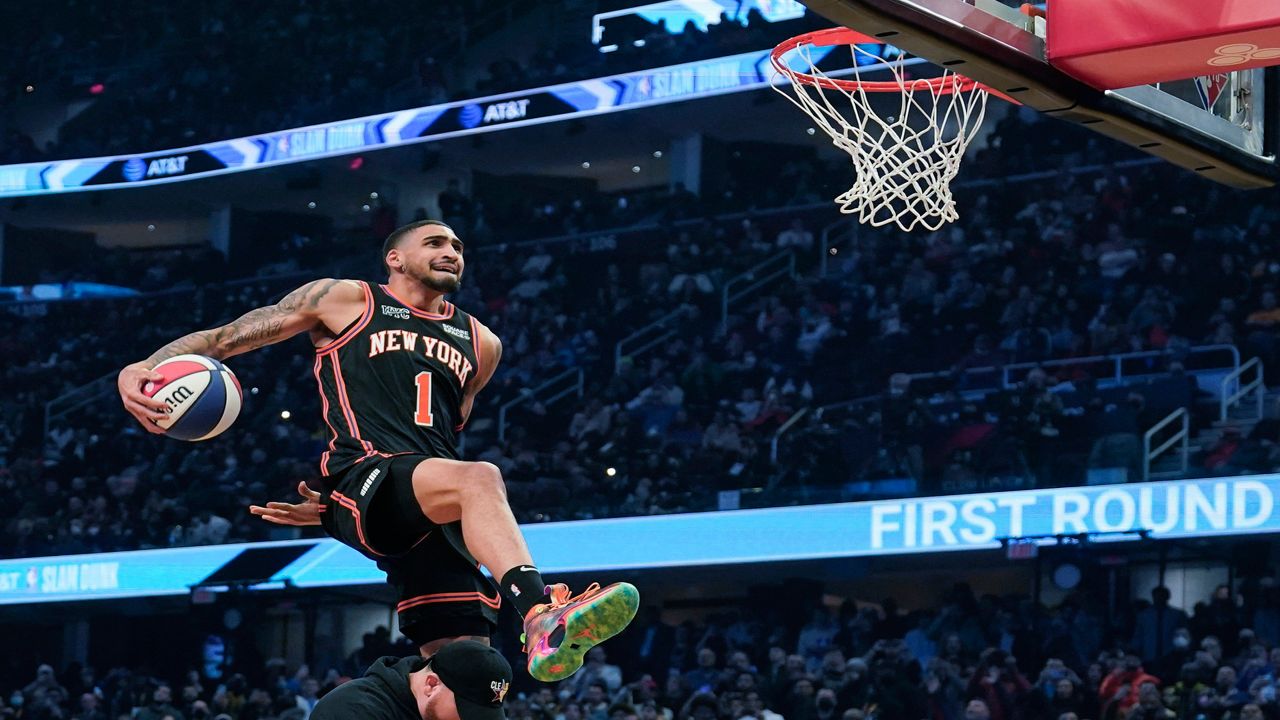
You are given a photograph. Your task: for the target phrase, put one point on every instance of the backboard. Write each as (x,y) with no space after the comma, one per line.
(1224,127)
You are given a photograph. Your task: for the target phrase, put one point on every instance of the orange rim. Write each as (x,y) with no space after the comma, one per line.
(945,85)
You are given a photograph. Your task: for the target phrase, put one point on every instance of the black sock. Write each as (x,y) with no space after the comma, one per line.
(524,585)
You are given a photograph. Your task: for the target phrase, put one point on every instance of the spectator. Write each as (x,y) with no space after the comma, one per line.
(1155,626)
(1149,705)
(45,689)
(1180,653)
(160,706)
(89,708)
(308,695)
(595,669)
(977,710)
(998,684)
(1121,685)
(706,676)
(796,236)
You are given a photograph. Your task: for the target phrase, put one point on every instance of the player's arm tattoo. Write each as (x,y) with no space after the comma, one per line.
(258,327)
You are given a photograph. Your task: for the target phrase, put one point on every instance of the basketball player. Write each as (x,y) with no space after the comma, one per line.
(399,368)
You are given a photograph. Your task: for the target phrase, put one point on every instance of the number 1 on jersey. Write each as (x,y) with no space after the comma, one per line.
(423,414)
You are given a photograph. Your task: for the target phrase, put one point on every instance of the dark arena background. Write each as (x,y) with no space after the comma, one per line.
(1025,466)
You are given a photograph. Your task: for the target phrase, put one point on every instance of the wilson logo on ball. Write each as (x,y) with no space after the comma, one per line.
(177,397)
(203,396)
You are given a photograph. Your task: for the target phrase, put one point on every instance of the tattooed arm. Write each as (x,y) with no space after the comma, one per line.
(305,309)
(298,311)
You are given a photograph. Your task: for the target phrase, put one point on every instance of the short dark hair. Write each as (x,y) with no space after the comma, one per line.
(400,233)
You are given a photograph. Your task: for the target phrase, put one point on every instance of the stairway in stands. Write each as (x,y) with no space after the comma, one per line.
(1242,417)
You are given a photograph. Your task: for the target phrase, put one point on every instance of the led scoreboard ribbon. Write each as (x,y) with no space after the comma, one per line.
(1239,506)
(687,81)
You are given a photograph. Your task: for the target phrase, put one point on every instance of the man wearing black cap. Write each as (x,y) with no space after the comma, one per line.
(464,680)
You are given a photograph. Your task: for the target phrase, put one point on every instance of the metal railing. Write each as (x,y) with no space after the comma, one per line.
(817,414)
(1179,438)
(1232,392)
(554,389)
(782,430)
(754,278)
(1115,368)
(645,339)
(76,399)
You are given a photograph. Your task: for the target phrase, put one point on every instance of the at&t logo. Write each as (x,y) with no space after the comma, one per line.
(134,169)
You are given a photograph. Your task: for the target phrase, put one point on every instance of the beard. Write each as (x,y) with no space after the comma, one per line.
(443,283)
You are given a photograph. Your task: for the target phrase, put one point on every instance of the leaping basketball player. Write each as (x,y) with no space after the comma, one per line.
(398,368)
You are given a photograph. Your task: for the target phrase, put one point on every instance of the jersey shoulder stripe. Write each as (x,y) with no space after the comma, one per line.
(352,330)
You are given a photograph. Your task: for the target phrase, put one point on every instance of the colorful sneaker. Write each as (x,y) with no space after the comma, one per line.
(558,633)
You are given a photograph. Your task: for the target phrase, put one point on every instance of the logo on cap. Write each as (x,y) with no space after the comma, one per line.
(499,688)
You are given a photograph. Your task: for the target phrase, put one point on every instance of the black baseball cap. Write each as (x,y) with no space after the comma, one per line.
(477,674)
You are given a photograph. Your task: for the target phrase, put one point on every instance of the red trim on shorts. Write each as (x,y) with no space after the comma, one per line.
(434,598)
(350,505)
(345,337)
(448,307)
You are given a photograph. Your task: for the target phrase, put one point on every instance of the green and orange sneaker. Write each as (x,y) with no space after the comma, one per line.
(558,633)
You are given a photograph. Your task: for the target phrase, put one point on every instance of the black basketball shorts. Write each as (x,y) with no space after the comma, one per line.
(440,588)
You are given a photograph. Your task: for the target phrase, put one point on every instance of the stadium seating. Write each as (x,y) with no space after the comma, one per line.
(964,656)
(1068,265)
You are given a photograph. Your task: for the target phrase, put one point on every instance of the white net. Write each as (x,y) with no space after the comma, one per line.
(907,150)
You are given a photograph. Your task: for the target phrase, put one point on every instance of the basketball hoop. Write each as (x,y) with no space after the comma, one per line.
(904,161)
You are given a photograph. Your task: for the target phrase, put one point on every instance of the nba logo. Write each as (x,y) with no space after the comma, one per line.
(1210,88)
(33,578)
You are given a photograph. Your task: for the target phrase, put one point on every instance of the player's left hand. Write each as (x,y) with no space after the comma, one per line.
(281,513)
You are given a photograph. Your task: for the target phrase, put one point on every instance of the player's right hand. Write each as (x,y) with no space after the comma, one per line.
(147,410)
(306,512)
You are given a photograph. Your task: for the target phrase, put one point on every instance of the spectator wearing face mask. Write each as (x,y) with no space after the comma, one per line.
(1179,653)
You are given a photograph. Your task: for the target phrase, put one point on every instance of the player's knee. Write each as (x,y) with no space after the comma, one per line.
(487,478)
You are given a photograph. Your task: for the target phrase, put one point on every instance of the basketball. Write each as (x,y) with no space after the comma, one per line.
(203,396)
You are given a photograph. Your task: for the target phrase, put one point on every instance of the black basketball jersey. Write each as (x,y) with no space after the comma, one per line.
(393,381)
